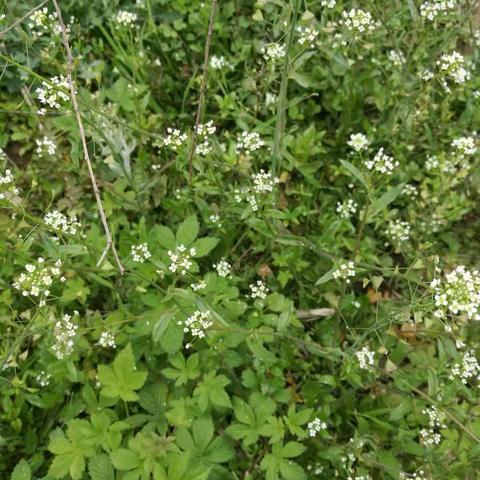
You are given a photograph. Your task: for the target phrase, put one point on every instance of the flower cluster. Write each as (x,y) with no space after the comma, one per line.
(465,145)
(431,436)
(345,271)
(307,35)
(174,139)
(274,52)
(258,290)
(315,426)
(140,252)
(458,293)
(201,285)
(7,187)
(328,3)
(249,142)
(358,20)
(358,141)
(43,378)
(397,58)
(53,94)
(41,22)
(398,232)
(180,259)
(220,63)
(107,340)
(431,9)
(223,268)
(60,222)
(410,190)
(347,208)
(264,182)
(45,146)
(467,370)
(420,475)
(366,358)
(125,19)
(382,163)
(37,279)
(204,132)
(452,65)
(196,324)
(64,332)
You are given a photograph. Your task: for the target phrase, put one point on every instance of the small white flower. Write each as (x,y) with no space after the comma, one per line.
(220,63)
(316,426)
(366,358)
(223,268)
(45,146)
(249,142)
(64,332)
(398,232)
(201,285)
(258,290)
(274,52)
(107,340)
(358,141)
(358,20)
(174,138)
(197,324)
(345,271)
(140,253)
(307,35)
(58,221)
(465,145)
(181,259)
(382,163)
(125,19)
(347,208)
(431,9)
(453,66)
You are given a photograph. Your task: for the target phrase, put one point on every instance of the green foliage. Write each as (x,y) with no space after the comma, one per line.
(293,304)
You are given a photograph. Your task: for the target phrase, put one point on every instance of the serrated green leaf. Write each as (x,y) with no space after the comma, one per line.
(21,471)
(187,231)
(100,468)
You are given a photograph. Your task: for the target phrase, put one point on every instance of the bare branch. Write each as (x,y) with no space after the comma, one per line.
(73,96)
(203,85)
(21,19)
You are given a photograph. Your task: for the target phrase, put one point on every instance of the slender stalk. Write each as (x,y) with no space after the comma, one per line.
(203,86)
(282,94)
(73,96)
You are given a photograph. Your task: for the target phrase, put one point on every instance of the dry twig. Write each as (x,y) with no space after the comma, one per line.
(203,85)
(73,96)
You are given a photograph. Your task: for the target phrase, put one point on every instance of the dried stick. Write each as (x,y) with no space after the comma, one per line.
(203,85)
(73,96)
(21,19)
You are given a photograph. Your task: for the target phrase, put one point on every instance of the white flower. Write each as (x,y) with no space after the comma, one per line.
(258,290)
(458,293)
(45,146)
(465,145)
(358,141)
(410,190)
(37,280)
(452,65)
(347,208)
(7,188)
(215,219)
(54,94)
(431,9)
(328,3)
(204,132)
(219,63)
(140,253)
(307,35)
(107,340)
(366,358)
(346,271)
(467,370)
(64,332)
(431,436)
(174,139)
(43,378)
(223,268)
(196,324)
(432,162)
(249,142)
(315,426)
(125,19)
(357,20)
(274,52)
(59,221)
(397,58)
(264,182)
(427,75)
(198,286)
(382,163)
(398,231)
(180,259)
(270,99)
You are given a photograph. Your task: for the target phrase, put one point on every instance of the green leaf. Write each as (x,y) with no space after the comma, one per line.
(188,231)
(100,468)
(164,237)
(211,390)
(122,379)
(125,459)
(293,449)
(204,246)
(162,323)
(355,172)
(21,471)
(326,277)
(386,199)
